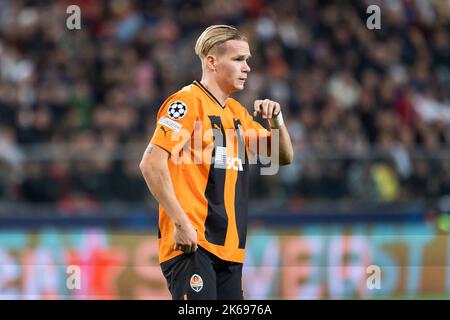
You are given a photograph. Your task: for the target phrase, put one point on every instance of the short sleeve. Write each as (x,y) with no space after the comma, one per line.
(175,123)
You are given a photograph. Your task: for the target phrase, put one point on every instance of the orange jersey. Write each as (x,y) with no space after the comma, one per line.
(209,168)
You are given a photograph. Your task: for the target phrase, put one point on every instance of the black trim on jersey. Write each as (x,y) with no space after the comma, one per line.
(216,223)
(208,93)
(241,189)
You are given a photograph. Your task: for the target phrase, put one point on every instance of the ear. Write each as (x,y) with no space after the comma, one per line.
(211,62)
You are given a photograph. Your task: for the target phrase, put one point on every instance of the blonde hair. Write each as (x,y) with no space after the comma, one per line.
(214,37)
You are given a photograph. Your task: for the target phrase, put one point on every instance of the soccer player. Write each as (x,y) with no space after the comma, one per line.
(203,202)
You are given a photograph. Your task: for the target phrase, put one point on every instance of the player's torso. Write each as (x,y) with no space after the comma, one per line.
(211,176)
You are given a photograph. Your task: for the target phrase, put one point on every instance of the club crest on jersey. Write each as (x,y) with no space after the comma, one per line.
(177,110)
(196,282)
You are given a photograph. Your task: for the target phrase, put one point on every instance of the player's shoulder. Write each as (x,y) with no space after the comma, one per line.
(186,93)
(180,102)
(185,97)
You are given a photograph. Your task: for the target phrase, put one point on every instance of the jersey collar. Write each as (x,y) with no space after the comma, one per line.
(208,93)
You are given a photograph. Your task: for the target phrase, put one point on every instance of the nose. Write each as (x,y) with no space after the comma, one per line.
(246,67)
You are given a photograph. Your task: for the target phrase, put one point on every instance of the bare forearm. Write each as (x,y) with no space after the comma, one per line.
(160,185)
(285,149)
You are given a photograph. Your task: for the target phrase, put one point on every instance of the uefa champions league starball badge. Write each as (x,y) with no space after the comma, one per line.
(177,110)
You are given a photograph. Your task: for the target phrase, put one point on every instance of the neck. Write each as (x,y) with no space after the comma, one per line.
(215,89)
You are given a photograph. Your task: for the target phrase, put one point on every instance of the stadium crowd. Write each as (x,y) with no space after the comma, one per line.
(368,110)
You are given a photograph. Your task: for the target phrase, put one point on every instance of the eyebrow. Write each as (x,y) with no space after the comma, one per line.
(243,56)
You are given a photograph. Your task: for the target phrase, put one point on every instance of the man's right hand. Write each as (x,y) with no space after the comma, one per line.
(155,169)
(185,237)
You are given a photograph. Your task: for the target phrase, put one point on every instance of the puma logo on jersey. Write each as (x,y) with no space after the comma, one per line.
(164,130)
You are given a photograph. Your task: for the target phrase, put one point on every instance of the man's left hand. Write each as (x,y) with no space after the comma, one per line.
(267,108)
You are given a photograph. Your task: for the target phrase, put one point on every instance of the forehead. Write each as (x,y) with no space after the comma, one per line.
(237,47)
